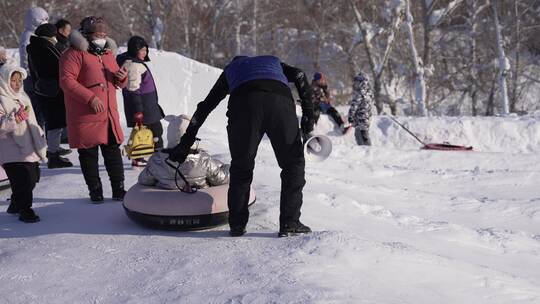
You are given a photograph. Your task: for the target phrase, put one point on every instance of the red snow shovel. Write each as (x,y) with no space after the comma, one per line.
(431,146)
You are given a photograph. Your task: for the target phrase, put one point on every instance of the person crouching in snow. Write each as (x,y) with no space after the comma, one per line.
(140,95)
(360,110)
(200,169)
(22,142)
(322,101)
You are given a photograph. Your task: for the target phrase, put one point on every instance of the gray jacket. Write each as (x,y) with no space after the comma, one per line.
(200,169)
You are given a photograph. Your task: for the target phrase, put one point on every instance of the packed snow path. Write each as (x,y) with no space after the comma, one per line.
(391,226)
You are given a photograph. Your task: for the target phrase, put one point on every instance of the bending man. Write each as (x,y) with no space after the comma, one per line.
(260,103)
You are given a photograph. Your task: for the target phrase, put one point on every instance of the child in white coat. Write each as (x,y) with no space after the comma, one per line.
(22,142)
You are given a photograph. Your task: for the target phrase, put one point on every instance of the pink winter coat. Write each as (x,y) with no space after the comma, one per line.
(83,76)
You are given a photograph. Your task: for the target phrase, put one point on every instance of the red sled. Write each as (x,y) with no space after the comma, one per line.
(446,147)
(440,147)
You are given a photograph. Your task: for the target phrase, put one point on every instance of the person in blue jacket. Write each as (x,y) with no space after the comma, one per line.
(260,102)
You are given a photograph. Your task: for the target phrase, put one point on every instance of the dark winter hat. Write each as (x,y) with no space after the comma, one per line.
(46,30)
(361,77)
(318,76)
(136,43)
(93,24)
(62,23)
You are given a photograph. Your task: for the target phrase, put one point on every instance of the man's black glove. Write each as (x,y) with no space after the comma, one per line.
(307,124)
(178,153)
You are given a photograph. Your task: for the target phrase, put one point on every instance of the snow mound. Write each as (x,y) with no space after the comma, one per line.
(183,82)
(513,134)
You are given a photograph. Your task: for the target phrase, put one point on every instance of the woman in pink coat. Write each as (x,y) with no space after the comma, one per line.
(89,77)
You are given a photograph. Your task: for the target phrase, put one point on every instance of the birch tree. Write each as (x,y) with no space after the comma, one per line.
(156,16)
(474,7)
(377,62)
(504,64)
(418,65)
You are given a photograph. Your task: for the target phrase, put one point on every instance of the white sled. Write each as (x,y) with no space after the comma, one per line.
(175,210)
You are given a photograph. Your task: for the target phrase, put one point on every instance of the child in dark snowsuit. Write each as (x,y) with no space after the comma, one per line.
(360,110)
(140,95)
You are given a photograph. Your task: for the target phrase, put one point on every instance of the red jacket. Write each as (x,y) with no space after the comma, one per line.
(84,75)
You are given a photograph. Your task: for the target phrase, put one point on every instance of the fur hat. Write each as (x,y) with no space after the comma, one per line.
(93,24)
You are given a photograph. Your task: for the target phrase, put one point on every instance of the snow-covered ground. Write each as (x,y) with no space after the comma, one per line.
(392,223)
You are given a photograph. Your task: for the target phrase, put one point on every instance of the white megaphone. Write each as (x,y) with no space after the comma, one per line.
(317,148)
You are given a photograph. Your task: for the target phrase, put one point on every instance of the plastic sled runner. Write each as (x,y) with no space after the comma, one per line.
(176,210)
(446,147)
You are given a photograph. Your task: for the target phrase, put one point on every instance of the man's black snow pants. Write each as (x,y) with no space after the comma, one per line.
(253,113)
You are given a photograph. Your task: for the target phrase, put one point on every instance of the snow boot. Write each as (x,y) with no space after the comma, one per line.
(28,216)
(96,193)
(139,162)
(362,137)
(12,209)
(56,161)
(237,231)
(63,151)
(118,191)
(292,229)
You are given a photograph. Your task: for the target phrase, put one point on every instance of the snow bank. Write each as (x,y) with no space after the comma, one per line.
(183,82)
(513,134)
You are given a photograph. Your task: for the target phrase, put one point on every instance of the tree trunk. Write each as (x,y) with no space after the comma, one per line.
(420,84)
(503,61)
(378,68)
(237,38)
(426,56)
(515,74)
(254,27)
(490,108)
(474,9)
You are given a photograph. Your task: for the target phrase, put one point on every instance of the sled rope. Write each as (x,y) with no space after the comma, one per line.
(408,131)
